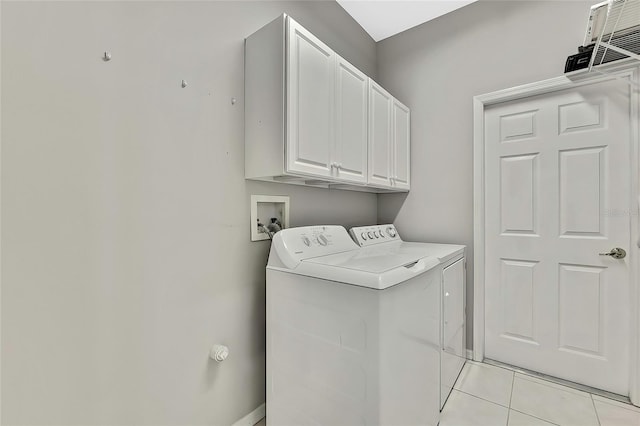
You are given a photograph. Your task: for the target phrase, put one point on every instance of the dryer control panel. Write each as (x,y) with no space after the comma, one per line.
(375,234)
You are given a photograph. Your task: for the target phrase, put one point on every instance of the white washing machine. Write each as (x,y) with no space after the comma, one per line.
(353,334)
(452,275)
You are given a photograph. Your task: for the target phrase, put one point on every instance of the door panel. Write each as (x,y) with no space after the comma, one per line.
(401,145)
(379,135)
(517,288)
(557,194)
(351,123)
(582,187)
(580,318)
(518,175)
(310,97)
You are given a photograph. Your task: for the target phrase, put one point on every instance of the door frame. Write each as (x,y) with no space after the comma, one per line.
(625,69)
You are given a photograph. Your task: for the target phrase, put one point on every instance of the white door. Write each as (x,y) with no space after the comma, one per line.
(401,145)
(310,102)
(380,102)
(558,194)
(350,155)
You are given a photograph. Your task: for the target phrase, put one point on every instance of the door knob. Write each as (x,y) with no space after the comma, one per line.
(616,253)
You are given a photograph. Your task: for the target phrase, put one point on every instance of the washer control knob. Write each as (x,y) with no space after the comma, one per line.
(370,235)
(364,236)
(391,231)
(306,241)
(322,240)
(375,234)
(381,233)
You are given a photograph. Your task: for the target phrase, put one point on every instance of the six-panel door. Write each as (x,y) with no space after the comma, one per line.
(557,195)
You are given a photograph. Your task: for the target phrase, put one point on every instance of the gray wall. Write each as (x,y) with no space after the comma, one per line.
(125,239)
(436,69)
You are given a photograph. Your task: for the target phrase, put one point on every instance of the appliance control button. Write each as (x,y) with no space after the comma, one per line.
(306,241)
(364,236)
(369,235)
(381,233)
(391,231)
(322,240)
(375,234)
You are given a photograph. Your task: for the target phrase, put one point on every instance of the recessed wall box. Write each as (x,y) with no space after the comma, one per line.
(269,214)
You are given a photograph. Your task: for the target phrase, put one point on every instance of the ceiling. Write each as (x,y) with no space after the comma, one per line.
(384,18)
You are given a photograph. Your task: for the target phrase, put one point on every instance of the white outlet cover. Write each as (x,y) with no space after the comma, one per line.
(256,235)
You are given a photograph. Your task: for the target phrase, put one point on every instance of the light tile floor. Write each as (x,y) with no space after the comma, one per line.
(486,395)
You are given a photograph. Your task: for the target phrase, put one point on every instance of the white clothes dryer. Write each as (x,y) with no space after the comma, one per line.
(451,276)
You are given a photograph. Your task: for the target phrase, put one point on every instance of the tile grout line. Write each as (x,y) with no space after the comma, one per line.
(616,403)
(480,398)
(482,363)
(521,412)
(595,409)
(556,386)
(513,381)
(551,381)
(535,417)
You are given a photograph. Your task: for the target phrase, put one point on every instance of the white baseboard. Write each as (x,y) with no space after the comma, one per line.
(253,417)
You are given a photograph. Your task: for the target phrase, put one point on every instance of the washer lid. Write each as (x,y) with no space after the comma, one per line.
(375,260)
(328,253)
(364,273)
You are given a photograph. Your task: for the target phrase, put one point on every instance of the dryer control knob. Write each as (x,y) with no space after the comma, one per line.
(391,231)
(364,236)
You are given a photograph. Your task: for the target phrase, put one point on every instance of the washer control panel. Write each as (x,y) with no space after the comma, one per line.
(370,235)
(296,244)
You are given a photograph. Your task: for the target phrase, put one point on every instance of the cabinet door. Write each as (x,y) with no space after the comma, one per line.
(379,135)
(453,324)
(401,145)
(310,103)
(350,155)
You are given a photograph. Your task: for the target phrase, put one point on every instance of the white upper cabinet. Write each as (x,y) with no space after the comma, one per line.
(389,136)
(380,102)
(350,149)
(310,103)
(312,118)
(401,146)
